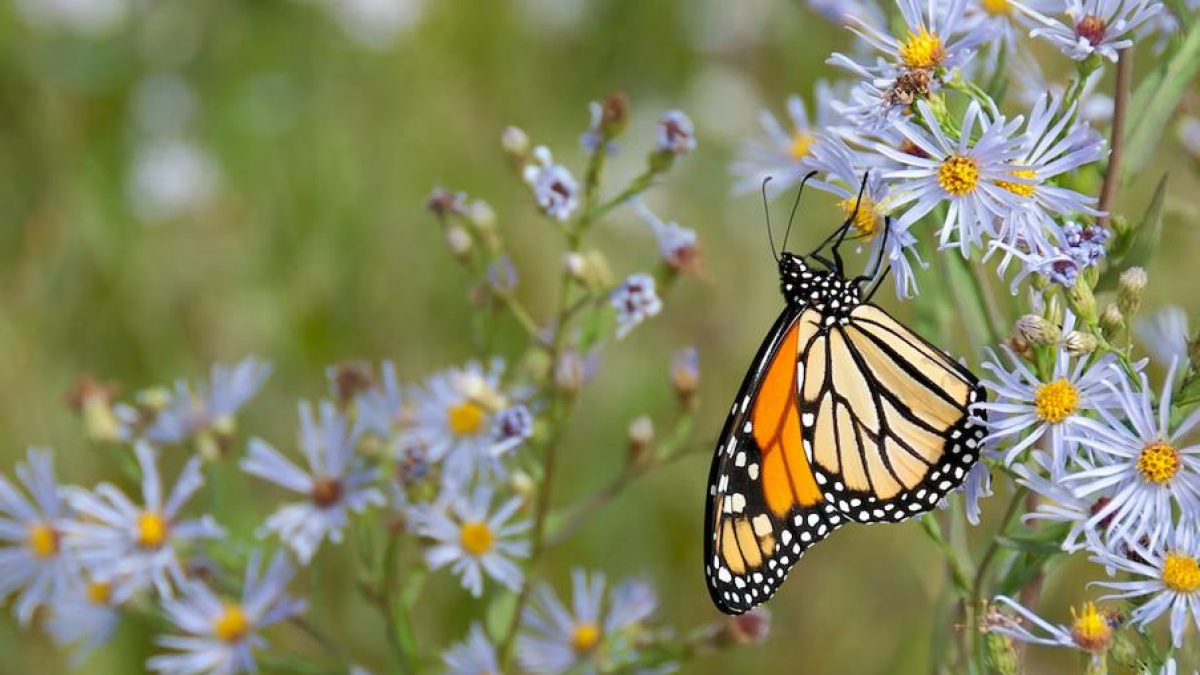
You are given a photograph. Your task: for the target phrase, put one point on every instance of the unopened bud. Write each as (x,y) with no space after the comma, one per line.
(1111,321)
(614,114)
(1131,287)
(515,142)
(459,241)
(1036,331)
(641,435)
(685,375)
(1079,343)
(1000,654)
(481,214)
(597,274)
(93,400)
(1083,302)
(442,202)
(349,379)
(571,372)
(574,265)
(522,485)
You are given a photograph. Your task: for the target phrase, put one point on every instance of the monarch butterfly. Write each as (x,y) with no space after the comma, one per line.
(845,416)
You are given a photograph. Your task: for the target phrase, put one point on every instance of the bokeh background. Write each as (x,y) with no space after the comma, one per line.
(187,182)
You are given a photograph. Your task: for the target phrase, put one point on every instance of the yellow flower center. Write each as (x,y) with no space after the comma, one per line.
(958,175)
(1181,573)
(585,637)
(43,540)
(99,593)
(866,220)
(801,144)
(1159,462)
(1020,189)
(1056,401)
(998,7)
(922,49)
(476,538)
(232,625)
(151,529)
(1090,629)
(465,418)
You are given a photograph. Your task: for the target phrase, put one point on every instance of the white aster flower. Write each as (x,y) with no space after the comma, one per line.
(472,542)
(962,173)
(219,636)
(210,407)
(83,616)
(131,546)
(554,188)
(1165,334)
(677,245)
(1003,21)
(635,301)
(676,133)
(33,563)
(1167,579)
(784,152)
(842,12)
(1058,503)
(473,656)
(556,640)
(1140,459)
(1090,630)
(334,484)
(934,37)
(1089,27)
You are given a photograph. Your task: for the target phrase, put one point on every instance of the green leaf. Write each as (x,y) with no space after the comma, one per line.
(1039,545)
(1159,103)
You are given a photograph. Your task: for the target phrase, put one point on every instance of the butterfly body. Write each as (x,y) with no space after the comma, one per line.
(844,416)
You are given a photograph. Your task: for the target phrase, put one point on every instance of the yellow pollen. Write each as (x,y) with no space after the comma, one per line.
(43,540)
(1056,401)
(232,625)
(585,637)
(99,593)
(958,175)
(999,7)
(1020,189)
(476,538)
(1181,573)
(1090,629)
(465,418)
(866,221)
(922,49)
(152,529)
(801,144)
(1159,462)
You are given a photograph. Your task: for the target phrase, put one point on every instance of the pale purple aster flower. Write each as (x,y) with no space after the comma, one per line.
(83,617)
(333,485)
(1166,578)
(219,637)
(783,153)
(131,546)
(472,541)
(934,37)
(554,188)
(1140,459)
(473,656)
(1089,27)
(635,301)
(190,411)
(555,639)
(962,173)
(1026,409)
(33,564)
(1002,22)
(842,12)
(1090,631)
(512,427)
(1165,334)
(381,408)
(677,245)
(977,486)
(676,133)
(1058,503)
(590,139)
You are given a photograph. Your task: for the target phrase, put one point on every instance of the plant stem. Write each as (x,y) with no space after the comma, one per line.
(1112,174)
(395,623)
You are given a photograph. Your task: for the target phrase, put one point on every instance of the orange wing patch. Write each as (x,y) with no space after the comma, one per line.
(787,478)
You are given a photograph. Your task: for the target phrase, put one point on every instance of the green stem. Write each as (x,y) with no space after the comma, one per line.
(395,617)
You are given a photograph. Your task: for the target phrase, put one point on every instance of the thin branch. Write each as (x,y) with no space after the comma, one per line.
(1112,174)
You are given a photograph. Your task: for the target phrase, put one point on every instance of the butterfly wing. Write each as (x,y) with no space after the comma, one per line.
(764,505)
(887,416)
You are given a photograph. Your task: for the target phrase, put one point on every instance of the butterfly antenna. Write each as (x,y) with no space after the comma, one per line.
(795,205)
(767,214)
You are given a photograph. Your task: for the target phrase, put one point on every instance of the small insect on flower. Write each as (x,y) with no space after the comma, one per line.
(676,133)
(220,636)
(472,542)
(554,188)
(334,485)
(1166,578)
(1090,630)
(33,563)
(473,656)
(1089,27)
(556,640)
(1141,459)
(134,547)
(206,413)
(783,154)
(635,301)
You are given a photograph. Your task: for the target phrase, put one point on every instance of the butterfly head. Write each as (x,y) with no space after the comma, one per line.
(807,286)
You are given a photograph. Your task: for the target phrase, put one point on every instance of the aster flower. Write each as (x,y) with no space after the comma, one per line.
(1027,406)
(473,656)
(1166,579)
(1089,27)
(32,561)
(1003,21)
(512,427)
(1060,255)
(962,173)
(1090,630)
(676,133)
(842,12)
(1058,503)
(472,542)
(134,547)
(381,410)
(453,416)
(1141,459)
(554,188)
(935,38)
(677,245)
(635,301)
(1165,334)
(334,485)
(219,636)
(783,154)
(556,640)
(83,616)
(211,408)
(976,486)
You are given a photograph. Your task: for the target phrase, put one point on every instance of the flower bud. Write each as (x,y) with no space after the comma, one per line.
(1000,654)
(1079,343)
(349,379)
(614,114)
(1083,302)
(459,241)
(522,485)
(571,372)
(1131,287)
(442,202)
(93,400)
(515,142)
(685,375)
(1036,331)
(641,435)
(1111,321)
(574,265)
(481,214)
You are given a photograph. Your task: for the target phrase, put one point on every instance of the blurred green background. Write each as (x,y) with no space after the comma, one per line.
(197,181)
